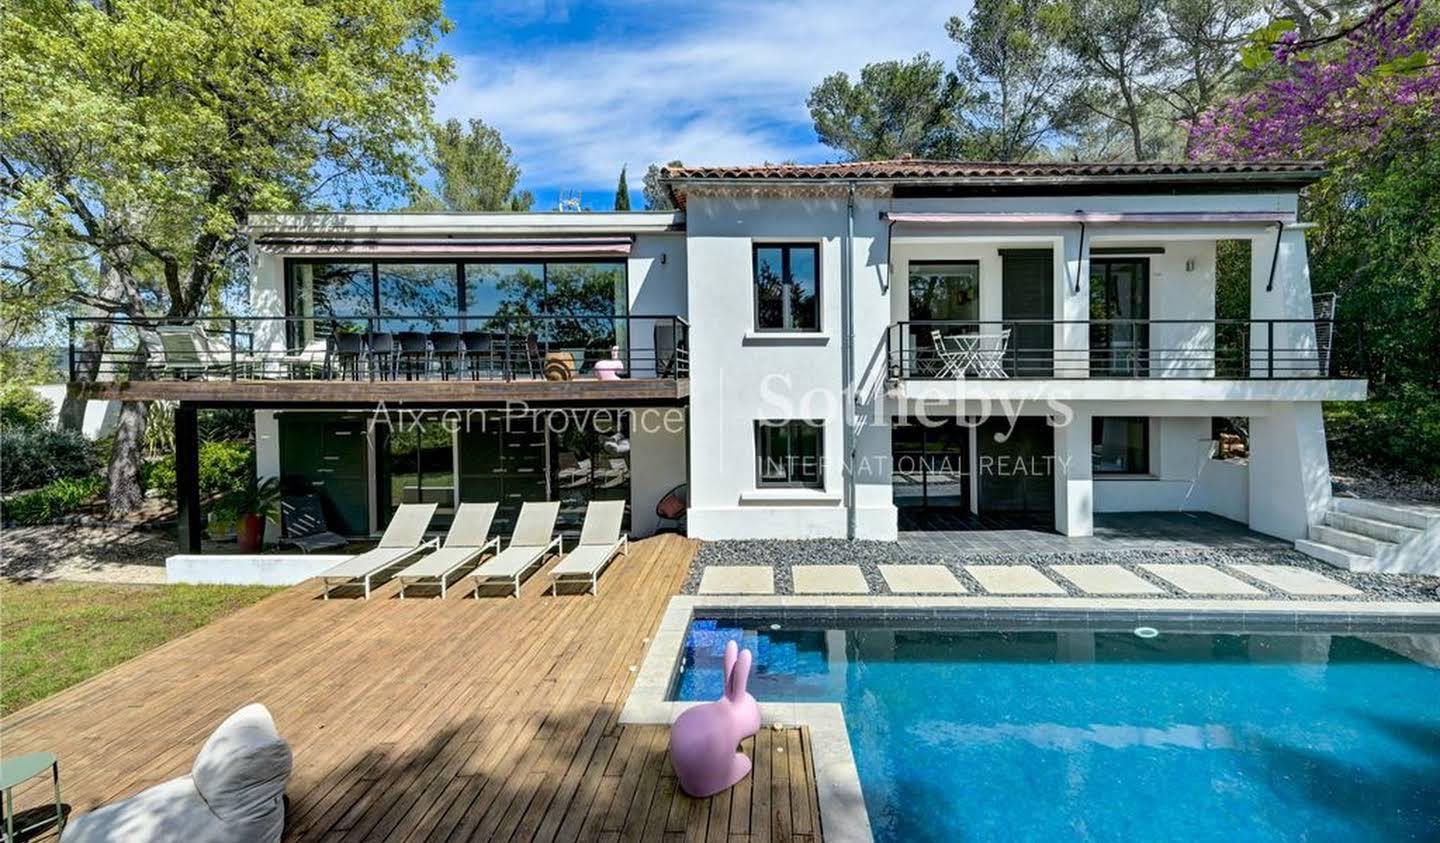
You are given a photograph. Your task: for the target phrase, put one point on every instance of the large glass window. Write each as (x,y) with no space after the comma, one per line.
(418,463)
(503,289)
(421,294)
(940,292)
(787,287)
(1120,445)
(1119,310)
(789,453)
(334,294)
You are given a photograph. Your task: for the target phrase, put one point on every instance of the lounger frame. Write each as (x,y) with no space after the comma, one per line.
(482,579)
(620,548)
(431,544)
(493,544)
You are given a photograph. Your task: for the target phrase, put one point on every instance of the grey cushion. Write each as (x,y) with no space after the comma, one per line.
(235,793)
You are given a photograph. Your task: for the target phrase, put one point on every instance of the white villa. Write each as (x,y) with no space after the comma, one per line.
(802,351)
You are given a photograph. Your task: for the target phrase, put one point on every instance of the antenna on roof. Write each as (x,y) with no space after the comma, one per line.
(570,201)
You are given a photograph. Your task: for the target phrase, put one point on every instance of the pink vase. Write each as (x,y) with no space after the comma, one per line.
(705,740)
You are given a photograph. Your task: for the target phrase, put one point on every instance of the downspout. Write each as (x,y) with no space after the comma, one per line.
(847,359)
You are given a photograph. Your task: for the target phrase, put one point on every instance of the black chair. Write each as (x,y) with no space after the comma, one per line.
(669,346)
(302,523)
(413,355)
(349,348)
(477,351)
(445,350)
(382,353)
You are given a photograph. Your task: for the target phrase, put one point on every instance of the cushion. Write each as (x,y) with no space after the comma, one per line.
(242,769)
(166,812)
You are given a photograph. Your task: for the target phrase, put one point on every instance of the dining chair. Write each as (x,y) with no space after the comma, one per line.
(477,353)
(382,353)
(349,349)
(413,355)
(445,350)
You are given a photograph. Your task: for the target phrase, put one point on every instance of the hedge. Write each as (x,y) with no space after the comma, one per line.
(33,458)
(224,467)
(50,502)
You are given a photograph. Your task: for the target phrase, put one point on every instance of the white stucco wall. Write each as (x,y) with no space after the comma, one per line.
(657,463)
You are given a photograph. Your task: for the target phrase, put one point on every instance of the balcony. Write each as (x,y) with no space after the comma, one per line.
(1272,359)
(424,358)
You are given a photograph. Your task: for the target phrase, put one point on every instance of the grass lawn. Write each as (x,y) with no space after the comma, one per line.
(53,635)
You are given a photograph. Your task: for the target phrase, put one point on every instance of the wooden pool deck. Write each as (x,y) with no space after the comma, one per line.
(428,719)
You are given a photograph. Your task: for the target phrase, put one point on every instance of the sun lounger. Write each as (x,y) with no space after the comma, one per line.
(600,542)
(302,523)
(467,540)
(530,542)
(404,538)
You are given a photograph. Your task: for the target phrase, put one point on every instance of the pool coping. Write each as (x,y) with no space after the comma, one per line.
(843,817)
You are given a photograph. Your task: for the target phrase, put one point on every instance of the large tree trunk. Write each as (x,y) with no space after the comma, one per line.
(94,343)
(126,492)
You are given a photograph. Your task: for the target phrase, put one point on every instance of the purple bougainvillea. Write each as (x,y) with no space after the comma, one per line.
(1379,81)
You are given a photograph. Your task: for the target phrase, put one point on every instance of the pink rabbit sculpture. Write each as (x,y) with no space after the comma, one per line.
(705,740)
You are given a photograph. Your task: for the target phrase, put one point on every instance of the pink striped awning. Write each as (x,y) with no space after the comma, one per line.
(585,247)
(1270,217)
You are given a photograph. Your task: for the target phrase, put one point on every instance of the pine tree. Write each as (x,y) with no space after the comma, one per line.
(622,193)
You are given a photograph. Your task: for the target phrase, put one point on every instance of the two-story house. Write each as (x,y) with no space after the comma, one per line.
(841,351)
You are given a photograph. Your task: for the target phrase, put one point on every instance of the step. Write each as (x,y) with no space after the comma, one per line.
(1346,540)
(1413,518)
(1386,531)
(1339,557)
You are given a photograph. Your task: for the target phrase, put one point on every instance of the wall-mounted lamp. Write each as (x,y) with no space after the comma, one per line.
(664,258)
(1189,264)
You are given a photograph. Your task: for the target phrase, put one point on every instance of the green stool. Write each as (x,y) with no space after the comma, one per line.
(14,771)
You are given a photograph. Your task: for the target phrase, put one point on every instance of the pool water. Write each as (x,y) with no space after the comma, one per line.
(1075,734)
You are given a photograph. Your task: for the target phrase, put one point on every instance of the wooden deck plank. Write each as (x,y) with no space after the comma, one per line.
(427,719)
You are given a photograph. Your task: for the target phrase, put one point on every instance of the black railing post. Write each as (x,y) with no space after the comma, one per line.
(369,343)
(508,373)
(233,340)
(70,327)
(1270,348)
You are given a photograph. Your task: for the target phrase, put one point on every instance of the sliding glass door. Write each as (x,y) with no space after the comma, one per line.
(1119,290)
(415,463)
(940,292)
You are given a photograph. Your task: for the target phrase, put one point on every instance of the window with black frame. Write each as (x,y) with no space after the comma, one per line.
(1120,445)
(787,287)
(940,292)
(332,297)
(789,454)
(1119,314)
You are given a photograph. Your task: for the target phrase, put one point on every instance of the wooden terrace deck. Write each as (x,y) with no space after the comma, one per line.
(428,719)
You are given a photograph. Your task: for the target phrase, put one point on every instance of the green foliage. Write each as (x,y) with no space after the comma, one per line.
(1400,431)
(22,408)
(49,502)
(32,458)
(895,109)
(254,498)
(224,467)
(474,170)
(622,193)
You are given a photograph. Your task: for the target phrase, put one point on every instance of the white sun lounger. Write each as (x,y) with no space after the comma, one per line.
(530,542)
(404,538)
(467,540)
(600,542)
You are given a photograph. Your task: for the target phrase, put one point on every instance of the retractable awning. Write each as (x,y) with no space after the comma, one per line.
(1158,217)
(582,247)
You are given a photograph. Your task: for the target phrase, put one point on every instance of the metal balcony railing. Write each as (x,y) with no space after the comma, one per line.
(1125,348)
(400,347)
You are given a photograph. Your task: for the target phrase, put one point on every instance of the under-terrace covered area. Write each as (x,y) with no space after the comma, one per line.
(428,719)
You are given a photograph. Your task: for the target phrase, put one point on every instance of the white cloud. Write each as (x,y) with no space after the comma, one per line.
(726,87)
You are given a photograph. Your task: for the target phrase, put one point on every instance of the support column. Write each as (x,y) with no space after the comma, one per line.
(1289,470)
(1074,486)
(267,459)
(187,476)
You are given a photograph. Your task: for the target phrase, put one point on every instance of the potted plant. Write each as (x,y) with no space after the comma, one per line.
(248,508)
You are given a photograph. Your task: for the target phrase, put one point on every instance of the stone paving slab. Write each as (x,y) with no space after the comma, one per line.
(1012,579)
(1297,580)
(1200,579)
(738,579)
(921,579)
(1106,579)
(828,579)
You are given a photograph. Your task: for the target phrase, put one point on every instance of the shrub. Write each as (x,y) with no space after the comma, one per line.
(22,408)
(1398,430)
(224,467)
(50,502)
(30,459)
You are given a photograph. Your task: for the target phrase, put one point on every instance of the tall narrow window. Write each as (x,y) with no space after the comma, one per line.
(787,287)
(1120,445)
(1119,317)
(789,454)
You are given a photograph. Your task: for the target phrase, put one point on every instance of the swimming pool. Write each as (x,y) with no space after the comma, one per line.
(966,733)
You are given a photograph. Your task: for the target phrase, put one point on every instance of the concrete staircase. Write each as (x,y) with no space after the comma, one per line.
(1362,535)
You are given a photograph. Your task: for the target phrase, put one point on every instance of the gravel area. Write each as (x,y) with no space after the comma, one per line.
(784,555)
(1360,481)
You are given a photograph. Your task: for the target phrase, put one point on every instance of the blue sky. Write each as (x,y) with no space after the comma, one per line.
(577,89)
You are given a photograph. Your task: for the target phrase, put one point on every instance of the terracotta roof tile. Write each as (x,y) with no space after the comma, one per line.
(911,168)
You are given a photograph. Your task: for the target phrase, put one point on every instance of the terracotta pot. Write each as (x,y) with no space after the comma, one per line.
(249,533)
